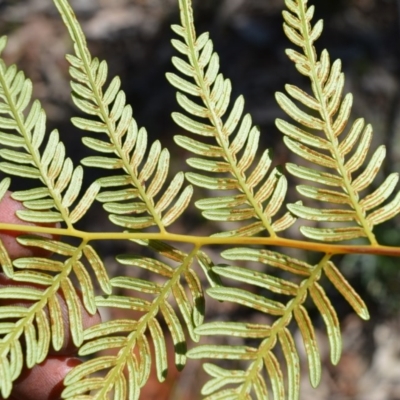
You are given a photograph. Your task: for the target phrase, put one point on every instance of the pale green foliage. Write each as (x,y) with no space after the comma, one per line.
(222,157)
(242,189)
(342,158)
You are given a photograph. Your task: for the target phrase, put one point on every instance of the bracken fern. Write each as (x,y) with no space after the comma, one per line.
(242,190)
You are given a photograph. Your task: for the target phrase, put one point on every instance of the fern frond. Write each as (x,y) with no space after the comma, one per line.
(46,203)
(281,313)
(327,111)
(39,331)
(136,334)
(126,145)
(192,310)
(167,302)
(53,200)
(229,164)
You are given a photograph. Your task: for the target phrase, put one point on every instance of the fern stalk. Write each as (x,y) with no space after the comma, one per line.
(202,241)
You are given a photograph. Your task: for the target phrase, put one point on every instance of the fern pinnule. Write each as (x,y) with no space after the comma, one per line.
(345,289)
(261,194)
(5,260)
(126,146)
(290,354)
(329,114)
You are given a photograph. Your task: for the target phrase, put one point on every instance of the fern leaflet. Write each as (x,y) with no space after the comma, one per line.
(126,142)
(222,159)
(333,111)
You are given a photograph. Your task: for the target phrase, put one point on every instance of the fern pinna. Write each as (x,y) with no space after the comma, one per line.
(242,190)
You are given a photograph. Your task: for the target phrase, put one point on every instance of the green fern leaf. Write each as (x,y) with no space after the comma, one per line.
(346,290)
(276,375)
(126,142)
(202,68)
(292,361)
(331,320)
(5,261)
(239,329)
(332,116)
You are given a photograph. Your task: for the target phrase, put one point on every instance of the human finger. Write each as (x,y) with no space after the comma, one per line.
(8,209)
(44,381)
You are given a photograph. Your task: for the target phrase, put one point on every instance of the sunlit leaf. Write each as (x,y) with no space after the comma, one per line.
(310,344)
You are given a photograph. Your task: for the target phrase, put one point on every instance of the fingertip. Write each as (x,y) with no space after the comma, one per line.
(44,381)
(8,209)
(8,215)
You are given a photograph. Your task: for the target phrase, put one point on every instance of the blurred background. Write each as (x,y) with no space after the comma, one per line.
(134,37)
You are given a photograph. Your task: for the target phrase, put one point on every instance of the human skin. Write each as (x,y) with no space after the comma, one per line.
(43,381)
